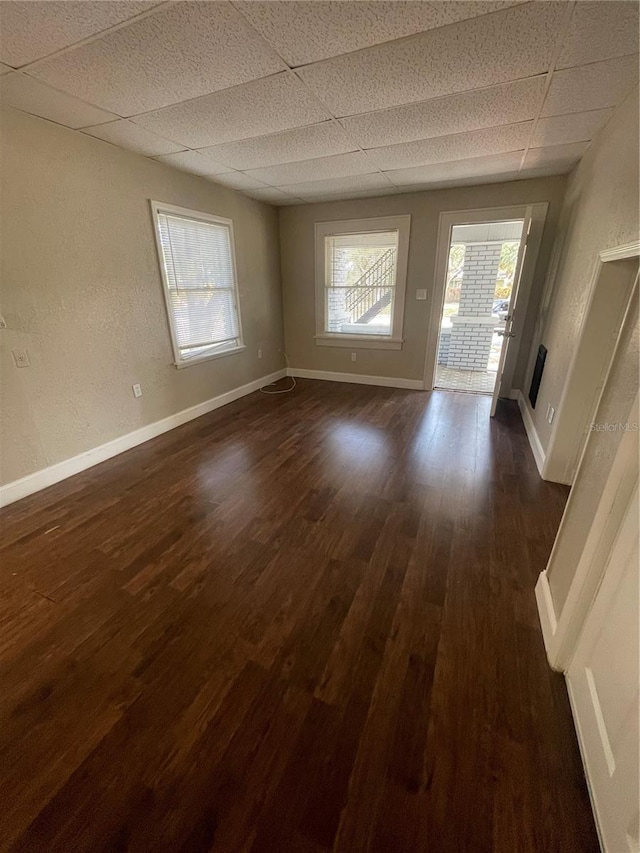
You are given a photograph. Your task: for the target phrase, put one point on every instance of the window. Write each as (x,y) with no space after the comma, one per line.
(197,261)
(361,268)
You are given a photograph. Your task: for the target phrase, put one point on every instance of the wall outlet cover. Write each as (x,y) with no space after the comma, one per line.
(421,294)
(20,357)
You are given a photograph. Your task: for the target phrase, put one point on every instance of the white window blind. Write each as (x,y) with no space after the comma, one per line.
(200,284)
(360,283)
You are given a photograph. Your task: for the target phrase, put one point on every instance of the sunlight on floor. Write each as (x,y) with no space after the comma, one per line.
(457,379)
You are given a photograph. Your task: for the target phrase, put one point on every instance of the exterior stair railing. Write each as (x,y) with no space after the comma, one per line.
(372,292)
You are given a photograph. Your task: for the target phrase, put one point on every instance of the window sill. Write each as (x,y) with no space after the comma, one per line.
(358,342)
(208,357)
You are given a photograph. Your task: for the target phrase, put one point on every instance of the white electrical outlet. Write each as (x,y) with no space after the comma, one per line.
(20,357)
(137,390)
(421,294)
(259,353)
(551,414)
(354,357)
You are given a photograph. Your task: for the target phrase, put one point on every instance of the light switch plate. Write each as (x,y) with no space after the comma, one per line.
(421,294)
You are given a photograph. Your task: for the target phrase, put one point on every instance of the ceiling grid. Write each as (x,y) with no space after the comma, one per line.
(289,101)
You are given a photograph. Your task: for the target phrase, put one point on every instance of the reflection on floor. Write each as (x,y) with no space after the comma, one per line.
(298,623)
(457,379)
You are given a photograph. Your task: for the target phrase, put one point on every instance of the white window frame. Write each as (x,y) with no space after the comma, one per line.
(401,224)
(178,360)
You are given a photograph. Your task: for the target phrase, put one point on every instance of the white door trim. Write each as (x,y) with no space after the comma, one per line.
(561,631)
(598,751)
(623,252)
(468,217)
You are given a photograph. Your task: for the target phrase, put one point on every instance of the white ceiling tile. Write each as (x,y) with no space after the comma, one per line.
(600,30)
(473,167)
(348,196)
(554,155)
(183,51)
(192,161)
(471,181)
(270,195)
(126,134)
(504,104)
(515,43)
(260,107)
(357,183)
(305,32)
(238,181)
(338,166)
(576,127)
(591,87)
(316,140)
(37,28)
(37,98)
(559,168)
(459,146)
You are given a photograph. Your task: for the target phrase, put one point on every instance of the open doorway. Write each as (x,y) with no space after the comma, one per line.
(480,282)
(500,320)
(612,291)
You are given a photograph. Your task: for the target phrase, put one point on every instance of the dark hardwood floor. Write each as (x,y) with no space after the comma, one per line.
(300,623)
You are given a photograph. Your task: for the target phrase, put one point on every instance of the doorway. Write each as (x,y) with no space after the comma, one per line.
(475,326)
(614,284)
(481,270)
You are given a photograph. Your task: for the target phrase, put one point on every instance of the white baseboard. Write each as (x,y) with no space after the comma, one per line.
(585,764)
(18,489)
(547,615)
(514,394)
(357,378)
(532,435)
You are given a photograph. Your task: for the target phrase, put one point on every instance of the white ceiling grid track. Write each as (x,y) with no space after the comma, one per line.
(311,101)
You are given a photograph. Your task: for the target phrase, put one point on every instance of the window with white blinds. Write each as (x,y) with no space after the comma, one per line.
(198,272)
(361,269)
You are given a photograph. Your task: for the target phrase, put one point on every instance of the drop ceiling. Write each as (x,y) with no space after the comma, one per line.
(315,100)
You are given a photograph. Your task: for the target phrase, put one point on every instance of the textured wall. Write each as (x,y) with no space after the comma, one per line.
(596,463)
(600,212)
(298,273)
(82,293)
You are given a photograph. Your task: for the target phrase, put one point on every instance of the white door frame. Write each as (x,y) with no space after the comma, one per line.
(507,332)
(561,632)
(568,474)
(471,217)
(613,802)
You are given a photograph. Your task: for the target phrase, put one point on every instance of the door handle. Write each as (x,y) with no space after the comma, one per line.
(506,334)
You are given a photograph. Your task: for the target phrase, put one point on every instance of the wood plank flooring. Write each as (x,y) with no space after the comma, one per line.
(301,623)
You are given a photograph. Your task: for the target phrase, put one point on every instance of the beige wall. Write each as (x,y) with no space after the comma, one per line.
(81,291)
(600,211)
(600,451)
(298,275)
